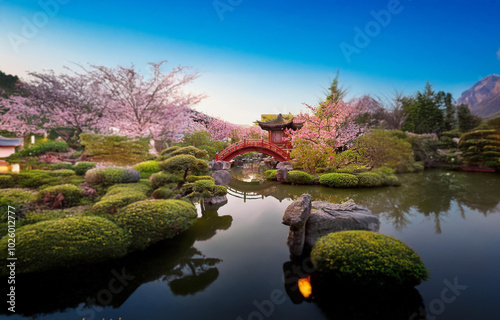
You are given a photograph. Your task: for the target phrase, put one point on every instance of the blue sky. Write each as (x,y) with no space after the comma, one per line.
(263,56)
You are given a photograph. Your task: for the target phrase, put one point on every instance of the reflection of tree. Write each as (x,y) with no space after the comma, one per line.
(176,261)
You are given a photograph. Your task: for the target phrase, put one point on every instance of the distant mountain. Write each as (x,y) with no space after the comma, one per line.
(484,97)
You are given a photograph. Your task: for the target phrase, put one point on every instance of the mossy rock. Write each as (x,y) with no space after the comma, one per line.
(64,243)
(299,177)
(368,258)
(339,180)
(151,221)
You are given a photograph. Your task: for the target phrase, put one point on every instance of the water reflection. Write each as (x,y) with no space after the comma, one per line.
(176,262)
(433,194)
(342,302)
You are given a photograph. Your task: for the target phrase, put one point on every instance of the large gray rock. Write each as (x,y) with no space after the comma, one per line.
(329,217)
(282,175)
(286,165)
(220,165)
(298,212)
(222,177)
(296,216)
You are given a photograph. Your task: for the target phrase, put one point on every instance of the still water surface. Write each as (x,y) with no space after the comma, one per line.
(231,265)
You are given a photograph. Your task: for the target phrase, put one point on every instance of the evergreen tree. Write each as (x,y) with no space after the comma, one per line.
(424,112)
(466,120)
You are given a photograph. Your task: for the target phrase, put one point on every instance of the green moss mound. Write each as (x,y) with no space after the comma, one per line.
(163,193)
(162,179)
(151,221)
(34,179)
(18,199)
(6,181)
(65,243)
(119,196)
(368,258)
(198,178)
(71,193)
(82,167)
(147,168)
(370,179)
(339,180)
(299,177)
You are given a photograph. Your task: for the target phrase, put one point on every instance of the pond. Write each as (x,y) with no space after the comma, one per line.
(234,264)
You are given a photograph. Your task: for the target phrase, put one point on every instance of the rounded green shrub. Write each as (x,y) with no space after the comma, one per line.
(299,177)
(109,176)
(16,198)
(169,150)
(59,166)
(270,174)
(201,154)
(184,164)
(66,242)
(368,258)
(82,167)
(35,217)
(119,196)
(163,193)
(391,180)
(62,173)
(161,179)
(6,181)
(151,221)
(198,178)
(147,168)
(220,191)
(370,179)
(339,180)
(34,179)
(42,148)
(71,193)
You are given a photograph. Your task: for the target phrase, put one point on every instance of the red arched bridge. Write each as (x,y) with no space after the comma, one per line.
(245,146)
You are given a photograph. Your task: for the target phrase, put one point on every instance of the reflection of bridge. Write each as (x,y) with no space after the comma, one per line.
(245,146)
(244,194)
(252,190)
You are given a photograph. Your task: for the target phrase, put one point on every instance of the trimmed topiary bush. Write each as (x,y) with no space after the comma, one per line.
(163,193)
(162,179)
(191,151)
(151,221)
(339,180)
(299,177)
(119,196)
(169,150)
(6,181)
(184,164)
(82,167)
(71,193)
(147,168)
(42,148)
(270,174)
(109,176)
(66,242)
(115,149)
(370,179)
(368,258)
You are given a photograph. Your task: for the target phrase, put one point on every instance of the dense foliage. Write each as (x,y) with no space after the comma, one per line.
(109,176)
(115,149)
(339,180)
(71,196)
(368,258)
(299,177)
(119,196)
(65,243)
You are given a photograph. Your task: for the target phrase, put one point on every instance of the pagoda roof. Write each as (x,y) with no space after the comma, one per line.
(279,123)
(11,142)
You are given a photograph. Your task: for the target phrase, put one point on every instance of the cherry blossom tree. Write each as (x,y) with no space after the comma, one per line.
(326,128)
(156,106)
(20,115)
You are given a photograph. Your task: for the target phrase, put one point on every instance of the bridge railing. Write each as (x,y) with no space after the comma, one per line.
(251,143)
